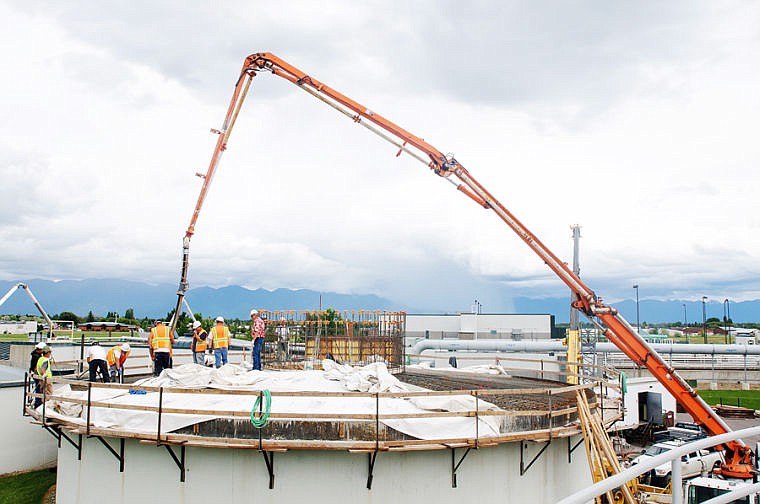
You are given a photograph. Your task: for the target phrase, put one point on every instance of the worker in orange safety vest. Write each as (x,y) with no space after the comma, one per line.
(199,344)
(160,344)
(220,342)
(116,357)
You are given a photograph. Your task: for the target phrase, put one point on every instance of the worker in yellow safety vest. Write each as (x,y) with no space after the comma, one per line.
(45,371)
(116,357)
(160,344)
(220,341)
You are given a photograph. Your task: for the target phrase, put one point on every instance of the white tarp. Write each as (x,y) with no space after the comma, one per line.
(335,378)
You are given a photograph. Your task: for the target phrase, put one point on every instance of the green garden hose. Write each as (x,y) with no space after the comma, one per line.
(260,422)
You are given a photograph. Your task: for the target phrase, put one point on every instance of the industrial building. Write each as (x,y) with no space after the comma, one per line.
(513,326)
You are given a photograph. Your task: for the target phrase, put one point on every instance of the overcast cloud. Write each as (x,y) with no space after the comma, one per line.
(637,121)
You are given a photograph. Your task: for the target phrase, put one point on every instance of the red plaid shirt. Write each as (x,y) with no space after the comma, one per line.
(257,328)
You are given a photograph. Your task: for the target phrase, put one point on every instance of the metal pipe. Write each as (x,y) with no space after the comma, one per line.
(500,345)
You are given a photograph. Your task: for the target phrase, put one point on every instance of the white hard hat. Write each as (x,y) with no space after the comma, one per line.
(254,312)
(196,324)
(125,347)
(40,345)
(220,319)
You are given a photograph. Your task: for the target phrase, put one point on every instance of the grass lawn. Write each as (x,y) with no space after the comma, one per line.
(743,398)
(27,488)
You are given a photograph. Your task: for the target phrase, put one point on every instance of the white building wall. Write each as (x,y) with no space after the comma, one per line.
(229,475)
(491,325)
(18,327)
(25,447)
(631,400)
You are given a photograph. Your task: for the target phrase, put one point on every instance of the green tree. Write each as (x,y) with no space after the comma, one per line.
(129,314)
(68,316)
(90,317)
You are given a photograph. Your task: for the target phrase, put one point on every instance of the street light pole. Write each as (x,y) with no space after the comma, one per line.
(684,314)
(704,320)
(638,325)
(476,308)
(727,318)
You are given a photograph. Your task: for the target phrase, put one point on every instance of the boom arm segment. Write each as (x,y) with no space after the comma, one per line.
(619,331)
(34,300)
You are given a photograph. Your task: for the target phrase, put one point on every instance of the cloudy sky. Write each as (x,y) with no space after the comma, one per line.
(636,120)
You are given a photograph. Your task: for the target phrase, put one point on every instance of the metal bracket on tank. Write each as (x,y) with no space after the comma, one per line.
(570,449)
(523,467)
(370,476)
(120,455)
(180,461)
(269,459)
(455,465)
(58,433)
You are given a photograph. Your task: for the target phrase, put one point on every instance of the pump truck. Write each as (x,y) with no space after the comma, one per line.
(738,457)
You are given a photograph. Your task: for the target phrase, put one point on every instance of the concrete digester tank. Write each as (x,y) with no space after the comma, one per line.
(439,436)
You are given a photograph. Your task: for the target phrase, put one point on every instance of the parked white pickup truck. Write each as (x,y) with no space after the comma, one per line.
(697,463)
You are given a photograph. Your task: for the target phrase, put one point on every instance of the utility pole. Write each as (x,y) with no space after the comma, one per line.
(704,320)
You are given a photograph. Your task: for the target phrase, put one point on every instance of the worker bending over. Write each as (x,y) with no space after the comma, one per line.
(160,344)
(220,341)
(199,344)
(116,358)
(96,359)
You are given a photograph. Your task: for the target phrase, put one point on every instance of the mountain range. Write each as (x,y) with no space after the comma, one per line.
(148,300)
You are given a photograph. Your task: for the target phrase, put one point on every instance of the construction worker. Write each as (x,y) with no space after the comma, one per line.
(160,344)
(45,371)
(220,341)
(35,356)
(116,357)
(282,340)
(199,344)
(97,362)
(258,330)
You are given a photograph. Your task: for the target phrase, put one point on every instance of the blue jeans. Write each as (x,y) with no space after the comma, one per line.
(220,356)
(199,358)
(257,344)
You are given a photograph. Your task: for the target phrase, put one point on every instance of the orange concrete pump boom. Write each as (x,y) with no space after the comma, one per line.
(618,330)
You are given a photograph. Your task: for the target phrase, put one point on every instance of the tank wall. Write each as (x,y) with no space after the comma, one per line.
(25,446)
(150,475)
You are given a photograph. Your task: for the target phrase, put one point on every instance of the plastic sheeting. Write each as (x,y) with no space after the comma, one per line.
(334,378)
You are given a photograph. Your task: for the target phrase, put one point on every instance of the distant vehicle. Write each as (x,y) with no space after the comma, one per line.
(699,490)
(682,431)
(697,463)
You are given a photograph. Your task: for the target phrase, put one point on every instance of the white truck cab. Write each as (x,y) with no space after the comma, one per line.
(696,463)
(699,490)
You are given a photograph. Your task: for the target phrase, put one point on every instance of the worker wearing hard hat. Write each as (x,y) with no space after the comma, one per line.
(35,356)
(258,330)
(96,359)
(220,341)
(199,344)
(116,357)
(160,344)
(44,370)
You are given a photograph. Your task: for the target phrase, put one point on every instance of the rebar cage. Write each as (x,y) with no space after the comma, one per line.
(348,337)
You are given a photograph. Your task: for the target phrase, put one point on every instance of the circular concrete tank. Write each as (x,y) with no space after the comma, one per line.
(535,456)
